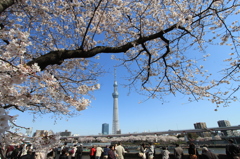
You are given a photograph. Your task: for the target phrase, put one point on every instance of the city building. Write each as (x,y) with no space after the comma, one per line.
(225,123)
(105,129)
(66,133)
(202,125)
(115,124)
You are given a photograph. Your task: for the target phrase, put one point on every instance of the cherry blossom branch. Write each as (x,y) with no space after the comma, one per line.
(12,105)
(16,126)
(57,57)
(89,24)
(148,64)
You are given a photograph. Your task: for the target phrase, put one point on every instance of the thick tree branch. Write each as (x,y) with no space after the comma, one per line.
(57,57)
(12,105)
(4,4)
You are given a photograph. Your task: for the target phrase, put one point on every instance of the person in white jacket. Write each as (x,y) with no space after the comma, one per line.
(99,152)
(120,151)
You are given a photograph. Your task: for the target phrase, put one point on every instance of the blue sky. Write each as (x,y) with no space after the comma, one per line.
(151,115)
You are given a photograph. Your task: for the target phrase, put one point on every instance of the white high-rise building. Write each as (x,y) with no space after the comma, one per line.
(115,124)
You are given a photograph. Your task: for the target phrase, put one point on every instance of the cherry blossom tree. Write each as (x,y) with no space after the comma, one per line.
(50,50)
(131,138)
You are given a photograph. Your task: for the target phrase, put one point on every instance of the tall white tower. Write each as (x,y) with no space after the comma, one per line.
(115,125)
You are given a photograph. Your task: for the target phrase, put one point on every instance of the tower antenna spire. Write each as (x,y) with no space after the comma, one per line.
(115,75)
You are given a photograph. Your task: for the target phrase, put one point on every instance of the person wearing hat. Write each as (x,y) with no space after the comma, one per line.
(232,150)
(206,154)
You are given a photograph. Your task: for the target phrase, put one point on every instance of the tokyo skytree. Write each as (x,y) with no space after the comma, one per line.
(115,125)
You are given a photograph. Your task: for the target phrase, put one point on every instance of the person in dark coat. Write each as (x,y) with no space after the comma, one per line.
(79,152)
(29,155)
(111,153)
(192,151)
(50,154)
(64,154)
(16,152)
(206,154)
(232,150)
(105,152)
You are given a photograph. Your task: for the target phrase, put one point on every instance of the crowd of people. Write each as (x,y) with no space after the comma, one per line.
(117,151)
(147,151)
(23,151)
(27,151)
(232,151)
(74,152)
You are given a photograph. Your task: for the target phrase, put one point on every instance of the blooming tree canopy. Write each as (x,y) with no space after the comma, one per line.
(49,49)
(147,138)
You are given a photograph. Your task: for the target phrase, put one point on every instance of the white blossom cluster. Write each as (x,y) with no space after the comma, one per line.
(4,121)
(46,142)
(40,144)
(148,138)
(18,41)
(25,87)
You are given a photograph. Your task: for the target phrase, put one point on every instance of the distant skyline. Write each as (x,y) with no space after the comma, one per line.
(104,124)
(151,115)
(105,128)
(148,116)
